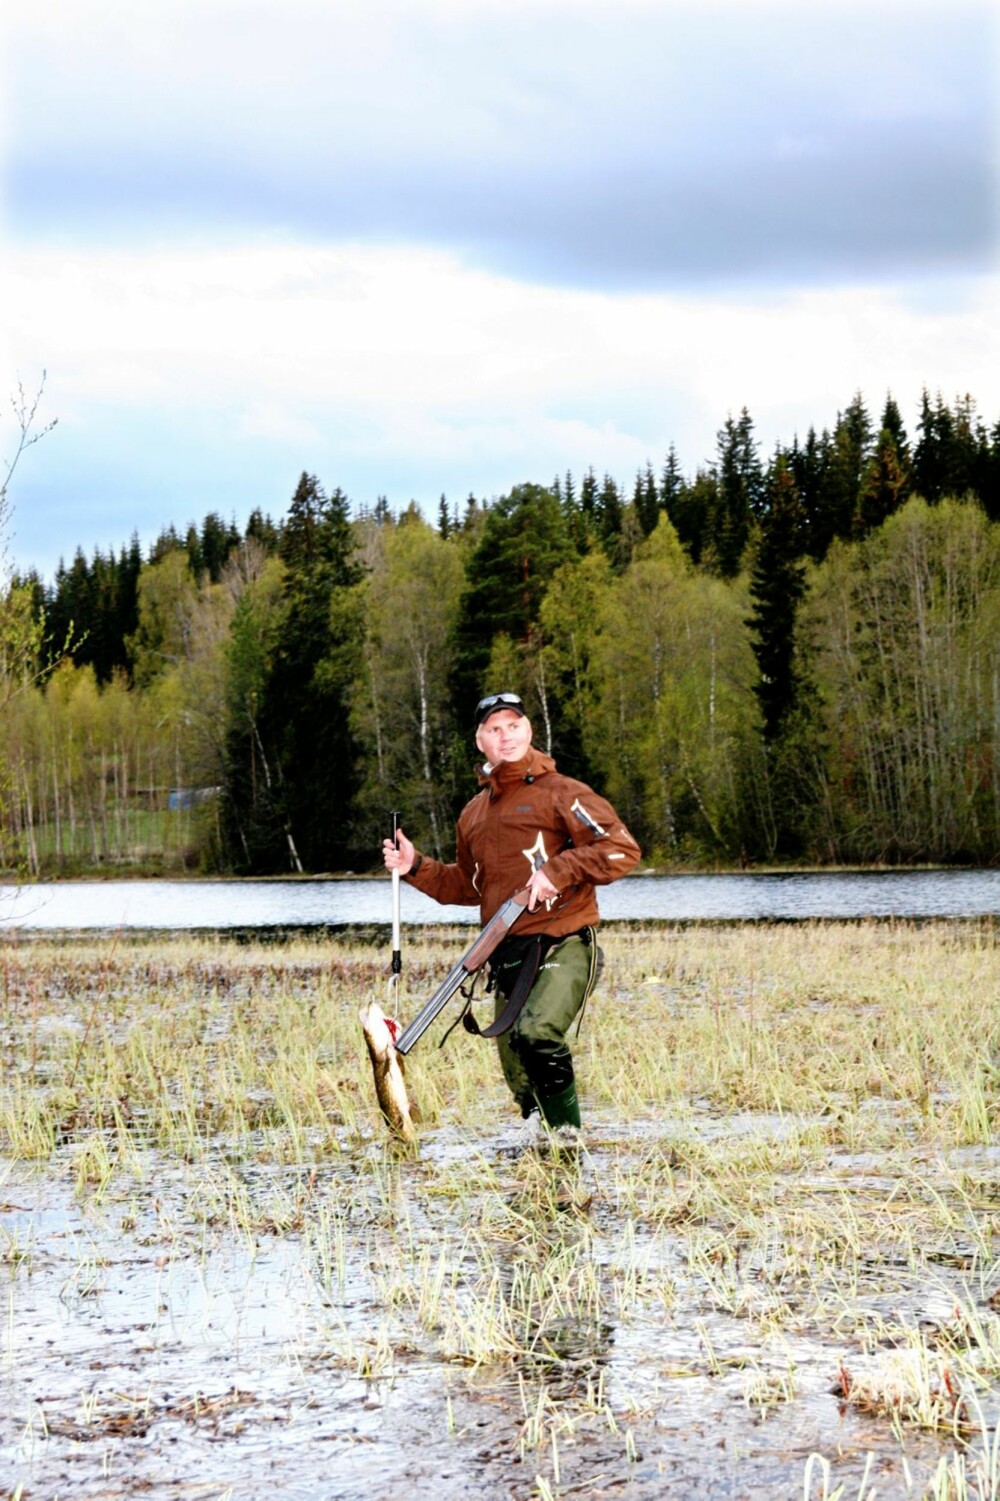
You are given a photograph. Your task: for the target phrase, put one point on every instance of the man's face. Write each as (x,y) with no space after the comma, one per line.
(504,736)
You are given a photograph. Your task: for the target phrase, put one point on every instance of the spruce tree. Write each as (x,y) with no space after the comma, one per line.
(217,541)
(304,718)
(693,511)
(931,453)
(777,585)
(809,465)
(609,509)
(588,495)
(192,546)
(892,422)
(671,482)
(646,499)
(964,457)
(524,539)
(884,485)
(988,474)
(740,497)
(844,462)
(261,528)
(578,525)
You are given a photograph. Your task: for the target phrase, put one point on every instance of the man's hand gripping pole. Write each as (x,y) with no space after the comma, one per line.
(474,958)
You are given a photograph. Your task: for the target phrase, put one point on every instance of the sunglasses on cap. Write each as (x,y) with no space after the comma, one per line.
(486,706)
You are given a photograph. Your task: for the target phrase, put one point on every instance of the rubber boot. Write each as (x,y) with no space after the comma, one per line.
(562,1109)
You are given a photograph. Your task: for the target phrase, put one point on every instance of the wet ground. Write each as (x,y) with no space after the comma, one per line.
(478,1321)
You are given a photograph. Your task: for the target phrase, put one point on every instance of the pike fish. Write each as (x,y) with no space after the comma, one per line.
(387,1066)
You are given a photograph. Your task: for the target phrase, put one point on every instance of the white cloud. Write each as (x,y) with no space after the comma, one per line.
(396,352)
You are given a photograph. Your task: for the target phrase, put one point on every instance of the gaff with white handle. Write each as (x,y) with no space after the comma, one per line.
(397,952)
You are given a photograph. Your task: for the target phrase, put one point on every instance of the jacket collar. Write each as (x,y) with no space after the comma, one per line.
(535,764)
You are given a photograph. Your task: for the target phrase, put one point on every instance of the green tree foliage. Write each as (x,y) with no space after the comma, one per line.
(262,530)
(567,619)
(691,512)
(809,463)
(524,540)
(907,626)
(252,820)
(777,584)
(740,494)
(97,774)
(401,711)
(777,792)
(673,673)
(322,670)
(609,509)
(216,543)
(166,600)
(932,454)
(671,482)
(884,484)
(892,423)
(843,462)
(304,716)
(646,499)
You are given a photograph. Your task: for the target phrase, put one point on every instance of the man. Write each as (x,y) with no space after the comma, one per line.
(530,826)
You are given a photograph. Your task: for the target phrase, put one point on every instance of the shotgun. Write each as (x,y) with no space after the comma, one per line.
(474,958)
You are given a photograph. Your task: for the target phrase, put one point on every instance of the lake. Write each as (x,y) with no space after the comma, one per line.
(249,904)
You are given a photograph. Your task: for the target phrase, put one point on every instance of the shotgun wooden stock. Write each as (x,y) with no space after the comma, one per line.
(474,958)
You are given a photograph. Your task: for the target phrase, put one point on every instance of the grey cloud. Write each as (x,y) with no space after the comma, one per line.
(693,148)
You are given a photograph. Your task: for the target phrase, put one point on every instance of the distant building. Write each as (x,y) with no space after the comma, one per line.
(179,799)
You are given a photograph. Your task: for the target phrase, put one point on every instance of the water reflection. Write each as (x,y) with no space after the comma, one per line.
(316,903)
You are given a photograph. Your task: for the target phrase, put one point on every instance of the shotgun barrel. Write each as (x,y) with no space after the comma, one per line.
(474,958)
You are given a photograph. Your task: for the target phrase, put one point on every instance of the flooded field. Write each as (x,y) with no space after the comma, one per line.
(772,1271)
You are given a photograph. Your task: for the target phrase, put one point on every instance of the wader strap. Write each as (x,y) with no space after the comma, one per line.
(526,977)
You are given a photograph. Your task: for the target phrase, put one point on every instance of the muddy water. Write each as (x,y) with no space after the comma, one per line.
(379,1326)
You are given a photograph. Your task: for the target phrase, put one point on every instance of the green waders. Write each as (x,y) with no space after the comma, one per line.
(536,1060)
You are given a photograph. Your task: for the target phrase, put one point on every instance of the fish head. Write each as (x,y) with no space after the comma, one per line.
(380,1030)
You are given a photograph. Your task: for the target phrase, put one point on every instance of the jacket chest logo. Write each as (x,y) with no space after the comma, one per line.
(537,854)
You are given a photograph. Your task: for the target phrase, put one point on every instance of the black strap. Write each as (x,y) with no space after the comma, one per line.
(526,977)
(468,995)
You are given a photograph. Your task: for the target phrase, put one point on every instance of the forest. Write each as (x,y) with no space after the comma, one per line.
(782,658)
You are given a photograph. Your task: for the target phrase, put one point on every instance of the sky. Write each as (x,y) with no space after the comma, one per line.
(418,247)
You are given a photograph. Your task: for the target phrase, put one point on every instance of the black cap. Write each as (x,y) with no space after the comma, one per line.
(494,701)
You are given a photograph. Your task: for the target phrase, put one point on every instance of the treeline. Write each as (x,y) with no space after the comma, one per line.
(785,657)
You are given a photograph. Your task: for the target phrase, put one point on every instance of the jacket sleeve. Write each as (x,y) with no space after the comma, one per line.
(451,884)
(602,848)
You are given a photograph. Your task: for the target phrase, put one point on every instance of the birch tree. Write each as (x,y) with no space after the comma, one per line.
(905,626)
(674,706)
(400,707)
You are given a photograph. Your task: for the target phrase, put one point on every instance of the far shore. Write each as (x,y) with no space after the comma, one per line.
(141,873)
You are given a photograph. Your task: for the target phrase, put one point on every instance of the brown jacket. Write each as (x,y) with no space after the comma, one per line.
(525,815)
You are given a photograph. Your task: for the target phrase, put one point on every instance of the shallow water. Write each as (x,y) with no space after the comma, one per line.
(158,1338)
(278,1301)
